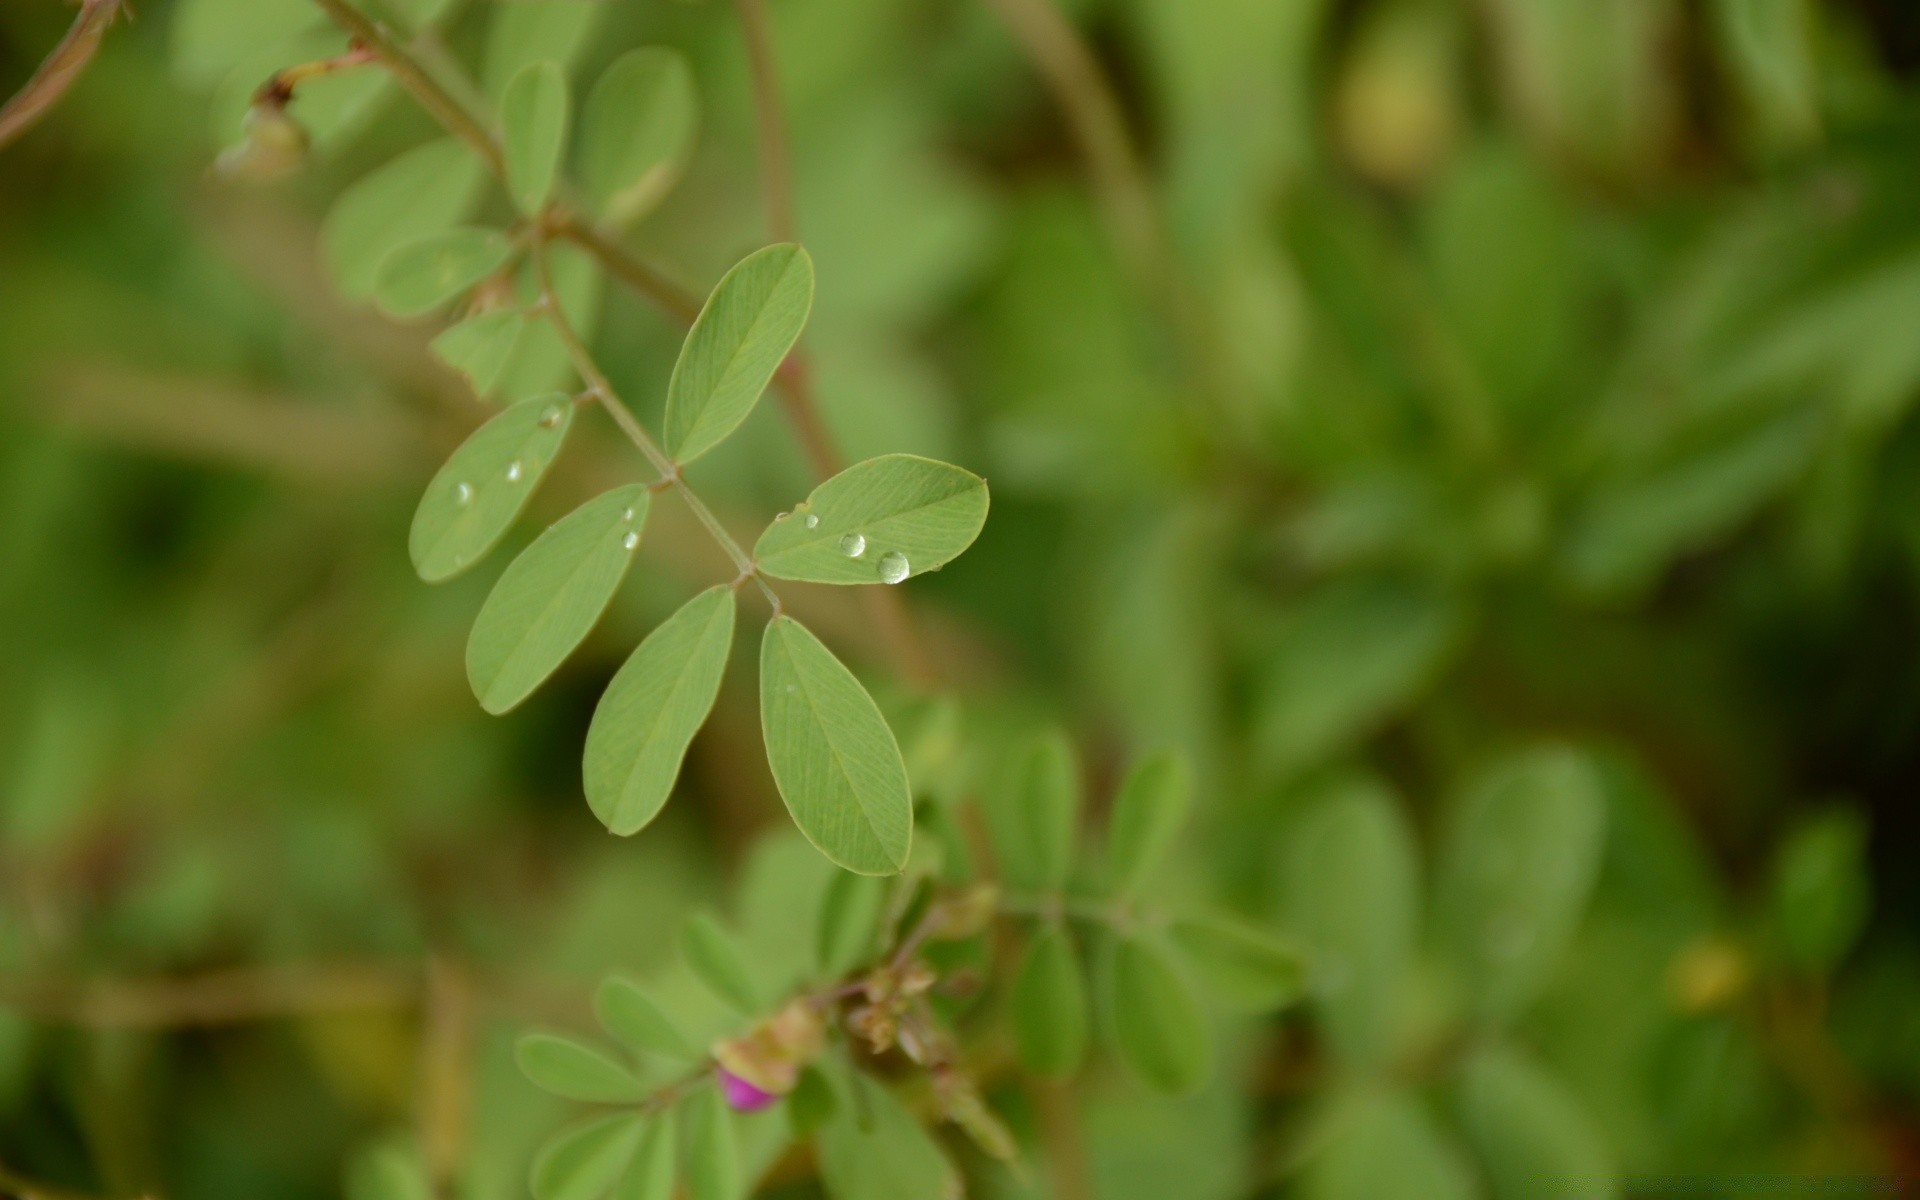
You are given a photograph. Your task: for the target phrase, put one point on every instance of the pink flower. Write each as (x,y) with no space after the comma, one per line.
(740,1095)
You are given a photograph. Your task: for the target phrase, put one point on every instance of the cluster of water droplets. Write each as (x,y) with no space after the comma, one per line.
(632,540)
(893,564)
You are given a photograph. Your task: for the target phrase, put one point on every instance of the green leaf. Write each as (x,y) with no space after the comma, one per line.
(575,1070)
(422,191)
(209,37)
(626,1011)
(1158,1026)
(551,596)
(849,919)
(653,1170)
(1515,874)
(811,1103)
(833,756)
(427,272)
(1530,1132)
(713,1166)
(1820,899)
(1349,882)
(484,485)
(880,521)
(1032,817)
(1049,999)
(581,1163)
(388,1171)
(657,701)
(1245,966)
(481,346)
(749,323)
(636,132)
(873,1149)
(533,124)
(1386,1147)
(1147,815)
(714,956)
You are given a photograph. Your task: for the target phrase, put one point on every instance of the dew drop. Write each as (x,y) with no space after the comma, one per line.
(792,687)
(628,515)
(462,493)
(894,567)
(812,521)
(779,517)
(513,471)
(550,417)
(853,545)
(631,541)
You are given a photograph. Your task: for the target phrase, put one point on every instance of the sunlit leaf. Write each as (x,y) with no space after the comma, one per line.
(1158,1026)
(1049,1002)
(581,1163)
(626,1011)
(1148,813)
(712,1166)
(551,596)
(1531,1133)
(421,275)
(1032,816)
(575,1070)
(749,323)
(834,758)
(533,123)
(481,346)
(715,957)
(879,521)
(656,703)
(1242,965)
(636,132)
(484,485)
(425,190)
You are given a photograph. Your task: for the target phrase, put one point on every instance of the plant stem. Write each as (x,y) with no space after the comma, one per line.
(776,171)
(598,384)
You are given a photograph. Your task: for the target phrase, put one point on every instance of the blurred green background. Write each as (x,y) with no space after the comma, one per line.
(1483,372)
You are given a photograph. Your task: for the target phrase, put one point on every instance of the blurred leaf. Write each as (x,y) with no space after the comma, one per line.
(716,960)
(654,1168)
(880,521)
(1049,1002)
(1530,1132)
(873,1149)
(812,1103)
(752,319)
(209,36)
(1033,813)
(575,1070)
(626,1011)
(1820,894)
(388,1171)
(712,1163)
(582,1163)
(657,701)
(419,276)
(520,34)
(1148,814)
(533,121)
(481,346)
(484,485)
(1385,1147)
(833,756)
(1158,1027)
(636,132)
(1518,868)
(540,360)
(425,190)
(1242,964)
(1769,48)
(551,596)
(849,920)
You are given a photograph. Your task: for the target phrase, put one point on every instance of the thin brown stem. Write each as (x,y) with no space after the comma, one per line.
(671,298)
(61,68)
(776,169)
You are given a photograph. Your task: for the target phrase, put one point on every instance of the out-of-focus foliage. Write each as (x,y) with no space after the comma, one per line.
(1495,481)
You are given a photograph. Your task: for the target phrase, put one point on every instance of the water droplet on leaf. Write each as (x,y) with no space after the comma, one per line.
(894,567)
(462,493)
(514,471)
(631,541)
(853,545)
(813,521)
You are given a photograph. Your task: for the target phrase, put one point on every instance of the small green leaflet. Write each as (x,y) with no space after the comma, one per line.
(422,191)
(656,703)
(1031,818)
(481,346)
(749,323)
(533,123)
(873,1149)
(713,1165)
(575,1070)
(625,1010)
(1049,1002)
(1147,815)
(849,917)
(1821,891)
(550,598)
(389,1170)
(1244,966)
(1385,1146)
(427,272)
(878,521)
(1158,1026)
(484,485)
(833,756)
(713,955)
(581,1163)
(636,131)
(1530,1131)
(651,1173)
